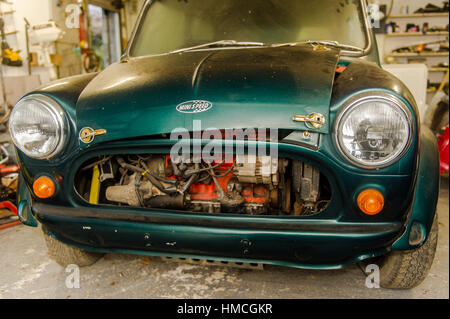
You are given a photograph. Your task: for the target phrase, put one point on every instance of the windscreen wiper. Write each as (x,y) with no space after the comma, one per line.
(220,43)
(324,42)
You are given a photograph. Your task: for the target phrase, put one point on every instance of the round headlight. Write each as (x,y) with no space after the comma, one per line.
(374,130)
(37,125)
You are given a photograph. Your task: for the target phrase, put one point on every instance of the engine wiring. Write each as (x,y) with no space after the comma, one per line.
(254,188)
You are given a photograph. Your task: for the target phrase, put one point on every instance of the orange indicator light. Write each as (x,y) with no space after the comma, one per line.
(371,201)
(44,187)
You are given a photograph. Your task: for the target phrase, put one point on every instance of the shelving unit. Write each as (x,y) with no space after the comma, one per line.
(412,54)
(417,34)
(7,12)
(394,41)
(419,15)
(437,69)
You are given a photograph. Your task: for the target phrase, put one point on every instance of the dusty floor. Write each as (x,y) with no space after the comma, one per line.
(27,272)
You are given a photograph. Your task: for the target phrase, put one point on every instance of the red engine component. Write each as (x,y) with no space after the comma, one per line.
(443,151)
(252,193)
(201,191)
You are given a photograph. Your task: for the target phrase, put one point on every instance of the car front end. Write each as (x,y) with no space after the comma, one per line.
(318,158)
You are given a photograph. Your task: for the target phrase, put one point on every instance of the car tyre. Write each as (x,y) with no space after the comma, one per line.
(437,116)
(407,269)
(66,255)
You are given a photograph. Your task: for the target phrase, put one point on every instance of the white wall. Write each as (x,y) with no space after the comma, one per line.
(36,11)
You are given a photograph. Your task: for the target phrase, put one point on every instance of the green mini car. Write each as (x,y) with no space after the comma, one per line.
(260,132)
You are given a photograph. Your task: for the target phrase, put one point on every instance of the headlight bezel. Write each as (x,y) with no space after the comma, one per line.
(59,116)
(355,101)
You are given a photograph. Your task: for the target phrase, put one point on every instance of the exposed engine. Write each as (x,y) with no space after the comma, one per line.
(254,185)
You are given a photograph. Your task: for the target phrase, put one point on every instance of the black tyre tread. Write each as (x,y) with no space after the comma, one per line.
(66,255)
(437,116)
(407,269)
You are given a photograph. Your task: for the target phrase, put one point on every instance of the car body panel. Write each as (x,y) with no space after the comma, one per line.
(355,237)
(426,192)
(274,83)
(318,243)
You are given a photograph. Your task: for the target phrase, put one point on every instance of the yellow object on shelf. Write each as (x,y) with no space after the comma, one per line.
(11,58)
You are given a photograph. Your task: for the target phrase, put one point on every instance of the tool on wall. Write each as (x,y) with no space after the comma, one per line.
(27,41)
(9,57)
(42,37)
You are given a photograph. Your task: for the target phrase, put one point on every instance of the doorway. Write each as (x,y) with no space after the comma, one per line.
(105,33)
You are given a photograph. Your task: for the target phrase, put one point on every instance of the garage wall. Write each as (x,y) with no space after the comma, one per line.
(39,11)
(131,13)
(36,11)
(71,62)
(386,45)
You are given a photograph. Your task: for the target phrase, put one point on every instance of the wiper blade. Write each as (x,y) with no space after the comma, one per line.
(337,44)
(324,42)
(219,43)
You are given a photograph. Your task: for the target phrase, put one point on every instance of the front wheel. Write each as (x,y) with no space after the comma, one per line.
(66,255)
(407,269)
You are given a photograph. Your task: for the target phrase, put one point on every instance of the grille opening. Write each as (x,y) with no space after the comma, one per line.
(247,186)
(243,134)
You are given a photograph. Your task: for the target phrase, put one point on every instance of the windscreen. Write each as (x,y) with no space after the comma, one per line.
(169,25)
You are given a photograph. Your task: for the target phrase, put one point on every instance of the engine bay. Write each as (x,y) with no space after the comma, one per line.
(237,184)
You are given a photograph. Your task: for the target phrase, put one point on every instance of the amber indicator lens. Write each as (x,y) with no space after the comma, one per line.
(44,187)
(371,201)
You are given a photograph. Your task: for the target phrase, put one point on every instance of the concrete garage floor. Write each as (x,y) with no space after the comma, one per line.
(27,272)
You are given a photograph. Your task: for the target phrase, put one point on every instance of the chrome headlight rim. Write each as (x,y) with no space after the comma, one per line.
(356,101)
(57,113)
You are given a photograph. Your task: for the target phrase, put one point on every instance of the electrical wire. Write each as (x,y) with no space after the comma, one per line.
(390,9)
(5,118)
(136,187)
(220,192)
(6,158)
(148,175)
(161,179)
(123,177)
(226,173)
(188,172)
(96,163)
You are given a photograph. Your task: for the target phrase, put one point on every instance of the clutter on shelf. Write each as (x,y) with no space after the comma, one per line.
(432,8)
